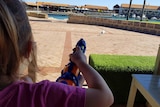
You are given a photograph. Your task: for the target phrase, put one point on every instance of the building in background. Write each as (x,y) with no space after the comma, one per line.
(94,8)
(136,11)
(49,6)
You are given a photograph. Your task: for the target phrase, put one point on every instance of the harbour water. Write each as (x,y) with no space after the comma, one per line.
(58,16)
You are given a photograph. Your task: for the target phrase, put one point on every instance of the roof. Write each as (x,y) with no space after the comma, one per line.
(46,3)
(52,4)
(65,5)
(140,6)
(95,7)
(31,4)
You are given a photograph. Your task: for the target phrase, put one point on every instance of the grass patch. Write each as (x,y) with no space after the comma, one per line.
(145,21)
(122,63)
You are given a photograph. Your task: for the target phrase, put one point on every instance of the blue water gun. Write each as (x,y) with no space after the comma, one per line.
(70,75)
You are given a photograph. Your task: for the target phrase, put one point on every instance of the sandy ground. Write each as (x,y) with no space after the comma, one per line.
(55,40)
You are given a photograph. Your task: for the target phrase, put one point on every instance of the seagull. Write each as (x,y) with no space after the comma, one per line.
(103,31)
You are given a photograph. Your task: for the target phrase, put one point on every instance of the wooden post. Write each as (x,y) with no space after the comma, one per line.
(157,63)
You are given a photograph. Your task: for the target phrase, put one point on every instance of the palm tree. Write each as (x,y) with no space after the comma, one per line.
(129,9)
(144,3)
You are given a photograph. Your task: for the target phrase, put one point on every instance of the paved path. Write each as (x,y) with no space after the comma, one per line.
(55,40)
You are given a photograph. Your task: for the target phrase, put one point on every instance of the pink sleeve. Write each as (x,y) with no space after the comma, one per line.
(42,94)
(61,95)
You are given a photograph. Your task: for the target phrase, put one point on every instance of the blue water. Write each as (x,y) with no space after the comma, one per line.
(58,16)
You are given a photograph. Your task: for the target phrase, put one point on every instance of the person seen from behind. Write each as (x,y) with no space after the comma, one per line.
(16,46)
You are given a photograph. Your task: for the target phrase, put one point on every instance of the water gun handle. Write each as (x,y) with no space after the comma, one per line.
(70,74)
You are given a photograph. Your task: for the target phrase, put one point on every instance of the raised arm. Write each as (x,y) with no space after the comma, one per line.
(98,93)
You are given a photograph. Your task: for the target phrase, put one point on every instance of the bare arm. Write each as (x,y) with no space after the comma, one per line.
(98,93)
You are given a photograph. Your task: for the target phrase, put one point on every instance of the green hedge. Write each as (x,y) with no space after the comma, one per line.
(117,70)
(122,63)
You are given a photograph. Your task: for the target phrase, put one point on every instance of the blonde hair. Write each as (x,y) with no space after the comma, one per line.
(15,35)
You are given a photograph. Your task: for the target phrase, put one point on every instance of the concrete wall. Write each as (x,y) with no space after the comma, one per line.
(39,15)
(120,24)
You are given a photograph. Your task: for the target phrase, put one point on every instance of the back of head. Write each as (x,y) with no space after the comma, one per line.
(15,34)
(23,27)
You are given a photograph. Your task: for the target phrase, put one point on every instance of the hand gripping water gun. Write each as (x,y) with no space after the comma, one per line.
(70,75)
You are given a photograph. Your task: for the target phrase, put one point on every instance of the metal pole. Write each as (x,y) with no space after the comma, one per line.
(129,9)
(143,10)
(37,6)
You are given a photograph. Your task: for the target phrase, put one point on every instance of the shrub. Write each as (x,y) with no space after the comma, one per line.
(117,69)
(122,63)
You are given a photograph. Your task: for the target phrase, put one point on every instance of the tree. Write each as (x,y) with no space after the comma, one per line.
(116,8)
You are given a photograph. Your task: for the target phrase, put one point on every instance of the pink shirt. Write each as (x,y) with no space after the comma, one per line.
(42,94)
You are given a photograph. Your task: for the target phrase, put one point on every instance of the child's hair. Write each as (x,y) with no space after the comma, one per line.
(15,36)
